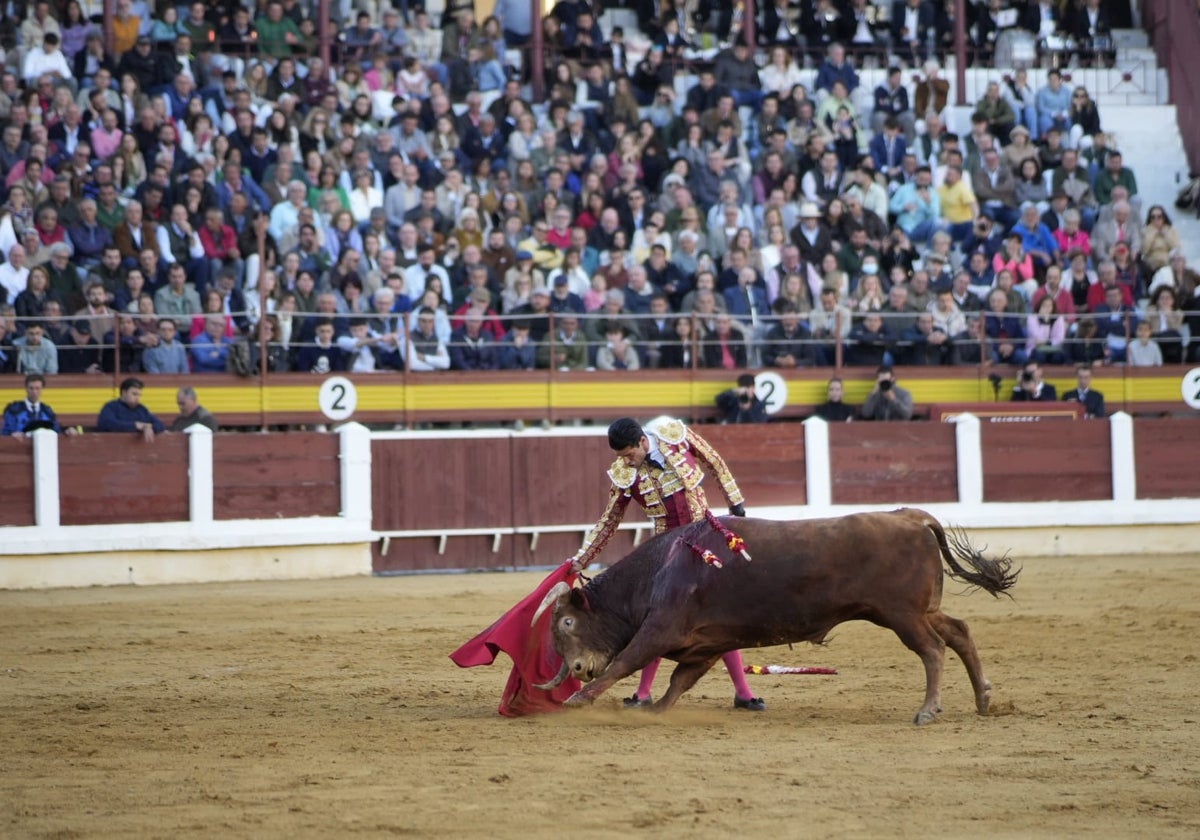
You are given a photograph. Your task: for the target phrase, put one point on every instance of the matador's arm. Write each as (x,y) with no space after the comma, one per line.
(712,461)
(602,531)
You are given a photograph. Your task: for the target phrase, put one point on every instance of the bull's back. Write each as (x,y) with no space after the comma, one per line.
(808,576)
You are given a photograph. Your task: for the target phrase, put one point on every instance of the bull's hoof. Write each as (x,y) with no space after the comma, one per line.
(577,700)
(754,704)
(636,702)
(923,717)
(984,699)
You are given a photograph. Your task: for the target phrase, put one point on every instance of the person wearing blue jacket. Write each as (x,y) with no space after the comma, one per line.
(127,414)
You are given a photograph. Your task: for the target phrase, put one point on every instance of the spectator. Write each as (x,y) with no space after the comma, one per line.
(618,351)
(997,112)
(1159,239)
(1053,103)
(1176,275)
(1144,351)
(887,400)
(1092,401)
(425,351)
(834,410)
(1166,324)
(741,404)
(1114,174)
(127,414)
(788,344)
(518,351)
(1122,228)
(191,413)
(35,352)
(835,68)
(167,354)
(471,347)
(210,349)
(25,416)
(917,206)
(1046,333)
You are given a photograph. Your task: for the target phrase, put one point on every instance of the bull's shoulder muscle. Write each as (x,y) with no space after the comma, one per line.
(622,475)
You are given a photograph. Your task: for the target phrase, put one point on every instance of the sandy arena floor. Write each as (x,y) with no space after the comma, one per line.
(329,709)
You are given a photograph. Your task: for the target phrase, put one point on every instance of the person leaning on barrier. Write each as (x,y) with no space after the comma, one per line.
(30,414)
(191,413)
(127,414)
(887,400)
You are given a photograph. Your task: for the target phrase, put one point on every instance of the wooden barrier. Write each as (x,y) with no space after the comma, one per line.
(252,480)
(1164,455)
(498,499)
(1057,462)
(874,462)
(107,479)
(16,482)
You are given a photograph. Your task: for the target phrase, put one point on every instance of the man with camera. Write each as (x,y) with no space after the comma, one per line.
(888,401)
(741,404)
(1031,387)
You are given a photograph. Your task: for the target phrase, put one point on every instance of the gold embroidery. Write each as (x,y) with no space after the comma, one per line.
(668,430)
(622,474)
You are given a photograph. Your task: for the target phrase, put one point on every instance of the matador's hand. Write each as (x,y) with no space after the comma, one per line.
(577,563)
(737,510)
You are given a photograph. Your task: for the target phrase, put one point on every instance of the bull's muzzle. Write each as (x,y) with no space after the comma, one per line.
(562,674)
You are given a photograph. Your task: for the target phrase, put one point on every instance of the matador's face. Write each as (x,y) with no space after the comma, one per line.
(634,456)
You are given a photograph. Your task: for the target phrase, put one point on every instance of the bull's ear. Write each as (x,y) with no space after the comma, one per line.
(579,600)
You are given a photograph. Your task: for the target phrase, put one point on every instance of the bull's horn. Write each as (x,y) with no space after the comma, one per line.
(557,591)
(557,681)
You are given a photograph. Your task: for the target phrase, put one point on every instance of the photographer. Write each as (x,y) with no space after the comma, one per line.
(888,401)
(741,404)
(1031,388)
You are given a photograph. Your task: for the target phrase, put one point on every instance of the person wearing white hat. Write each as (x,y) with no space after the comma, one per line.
(812,238)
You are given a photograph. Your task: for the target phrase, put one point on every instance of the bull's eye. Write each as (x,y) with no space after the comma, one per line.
(568,622)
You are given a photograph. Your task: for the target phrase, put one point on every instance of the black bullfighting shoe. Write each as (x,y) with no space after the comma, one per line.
(636,702)
(754,704)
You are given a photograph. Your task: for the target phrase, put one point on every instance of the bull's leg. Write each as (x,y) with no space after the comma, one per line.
(682,678)
(921,638)
(958,637)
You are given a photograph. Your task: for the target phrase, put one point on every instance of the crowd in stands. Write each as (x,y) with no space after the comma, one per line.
(210,182)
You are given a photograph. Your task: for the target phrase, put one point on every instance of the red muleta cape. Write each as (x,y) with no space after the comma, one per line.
(532,651)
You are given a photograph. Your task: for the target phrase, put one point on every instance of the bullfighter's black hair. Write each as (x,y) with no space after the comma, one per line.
(624,433)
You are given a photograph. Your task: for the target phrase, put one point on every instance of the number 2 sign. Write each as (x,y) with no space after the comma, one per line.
(337,398)
(1191,388)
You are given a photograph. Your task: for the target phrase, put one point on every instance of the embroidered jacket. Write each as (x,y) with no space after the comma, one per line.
(666,485)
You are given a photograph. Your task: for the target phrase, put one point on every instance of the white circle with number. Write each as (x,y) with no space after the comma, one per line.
(337,398)
(772,390)
(1191,388)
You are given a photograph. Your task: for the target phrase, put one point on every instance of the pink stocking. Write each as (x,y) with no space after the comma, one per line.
(733,664)
(646,685)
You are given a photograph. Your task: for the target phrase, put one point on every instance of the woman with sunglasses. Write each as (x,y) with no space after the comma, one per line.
(1085,119)
(1159,239)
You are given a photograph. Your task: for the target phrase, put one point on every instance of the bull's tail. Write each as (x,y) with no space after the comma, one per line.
(993,574)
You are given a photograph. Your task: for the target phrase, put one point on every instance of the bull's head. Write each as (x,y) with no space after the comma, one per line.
(582,657)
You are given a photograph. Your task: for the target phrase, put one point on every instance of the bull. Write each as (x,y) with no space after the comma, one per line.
(806,578)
